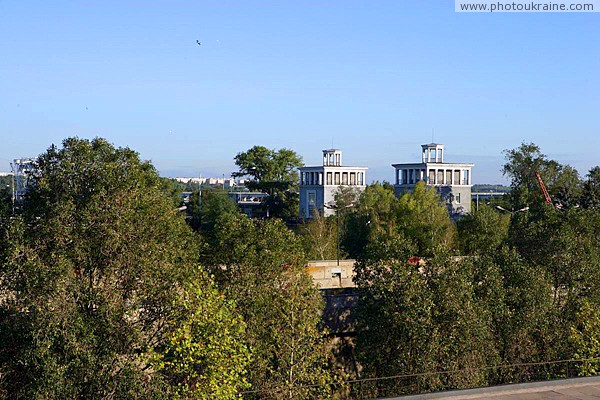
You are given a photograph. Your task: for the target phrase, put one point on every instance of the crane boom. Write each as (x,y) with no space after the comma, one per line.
(547,198)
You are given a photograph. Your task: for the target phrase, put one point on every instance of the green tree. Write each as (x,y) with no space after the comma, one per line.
(424,217)
(375,212)
(93,278)
(319,238)
(262,267)
(591,189)
(417,318)
(483,231)
(204,356)
(215,202)
(273,172)
(396,330)
(522,163)
(585,338)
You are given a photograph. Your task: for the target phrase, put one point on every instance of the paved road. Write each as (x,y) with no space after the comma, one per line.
(565,389)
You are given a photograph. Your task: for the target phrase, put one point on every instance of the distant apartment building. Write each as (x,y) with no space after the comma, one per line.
(452,180)
(319,184)
(224,182)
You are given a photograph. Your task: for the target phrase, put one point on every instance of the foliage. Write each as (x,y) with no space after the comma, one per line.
(261,267)
(591,189)
(483,231)
(425,218)
(521,166)
(215,202)
(92,271)
(205,356)
(319,238)
(273,172)
(418,318)
(173,188)
(585,338)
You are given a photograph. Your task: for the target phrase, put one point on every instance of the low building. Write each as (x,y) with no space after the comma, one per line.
(319,184)
(250,203)
(452,180)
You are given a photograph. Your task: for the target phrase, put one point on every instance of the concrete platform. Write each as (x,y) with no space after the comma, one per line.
(563,389)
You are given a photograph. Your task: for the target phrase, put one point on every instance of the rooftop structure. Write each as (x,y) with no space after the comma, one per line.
(452,180)
(319,184)
(21,172)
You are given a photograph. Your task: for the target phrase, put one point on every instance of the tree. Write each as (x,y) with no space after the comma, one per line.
(585,338)
(319,238)
(375,212)
(204,356)
(424,217)
(394,319)
(93,279)
(483,231)
(591,189)
(262,268)
(272,172)
(521,166)
(419,318)
(215,202)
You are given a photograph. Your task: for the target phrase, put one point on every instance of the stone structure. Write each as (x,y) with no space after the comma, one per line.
(452,180)
(318,184)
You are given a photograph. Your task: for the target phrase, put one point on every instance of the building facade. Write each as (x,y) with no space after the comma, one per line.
(319,184)
(452,180)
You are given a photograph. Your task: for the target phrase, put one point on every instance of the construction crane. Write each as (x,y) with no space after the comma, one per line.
(547,197)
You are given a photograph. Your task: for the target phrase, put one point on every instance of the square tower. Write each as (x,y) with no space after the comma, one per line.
(452,180)
(319,184)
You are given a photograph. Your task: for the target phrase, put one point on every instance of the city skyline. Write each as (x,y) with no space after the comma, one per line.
(373,80)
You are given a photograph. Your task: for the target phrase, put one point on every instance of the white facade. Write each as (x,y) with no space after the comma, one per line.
(319,184)
(452,180)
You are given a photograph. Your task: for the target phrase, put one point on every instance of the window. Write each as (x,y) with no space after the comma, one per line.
(431,176)
(329,182)
(448,177)
(344,178)
(405,176)
(361,177)
(456,177)
(312,199)
(337,178)
(457,198)
(440,177)
(312,203)
(353,178)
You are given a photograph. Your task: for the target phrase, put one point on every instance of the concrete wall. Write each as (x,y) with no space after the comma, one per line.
(328,275)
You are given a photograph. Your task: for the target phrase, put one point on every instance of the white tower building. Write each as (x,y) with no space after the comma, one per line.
(452,180)
(318,184)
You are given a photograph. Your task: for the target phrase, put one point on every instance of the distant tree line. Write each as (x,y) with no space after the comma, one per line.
(109,292)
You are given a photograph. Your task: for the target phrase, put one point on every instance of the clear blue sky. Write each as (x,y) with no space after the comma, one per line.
(373,77)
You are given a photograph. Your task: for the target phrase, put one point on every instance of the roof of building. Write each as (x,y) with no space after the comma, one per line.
(562,389)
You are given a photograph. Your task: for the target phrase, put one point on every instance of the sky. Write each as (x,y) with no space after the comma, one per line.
(375,78)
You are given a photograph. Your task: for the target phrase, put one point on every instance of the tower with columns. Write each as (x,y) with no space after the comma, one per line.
(319,184)
(452,180)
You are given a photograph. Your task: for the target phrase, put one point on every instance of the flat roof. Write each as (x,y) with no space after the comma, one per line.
(333,166)
(432,163)
(562,389)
